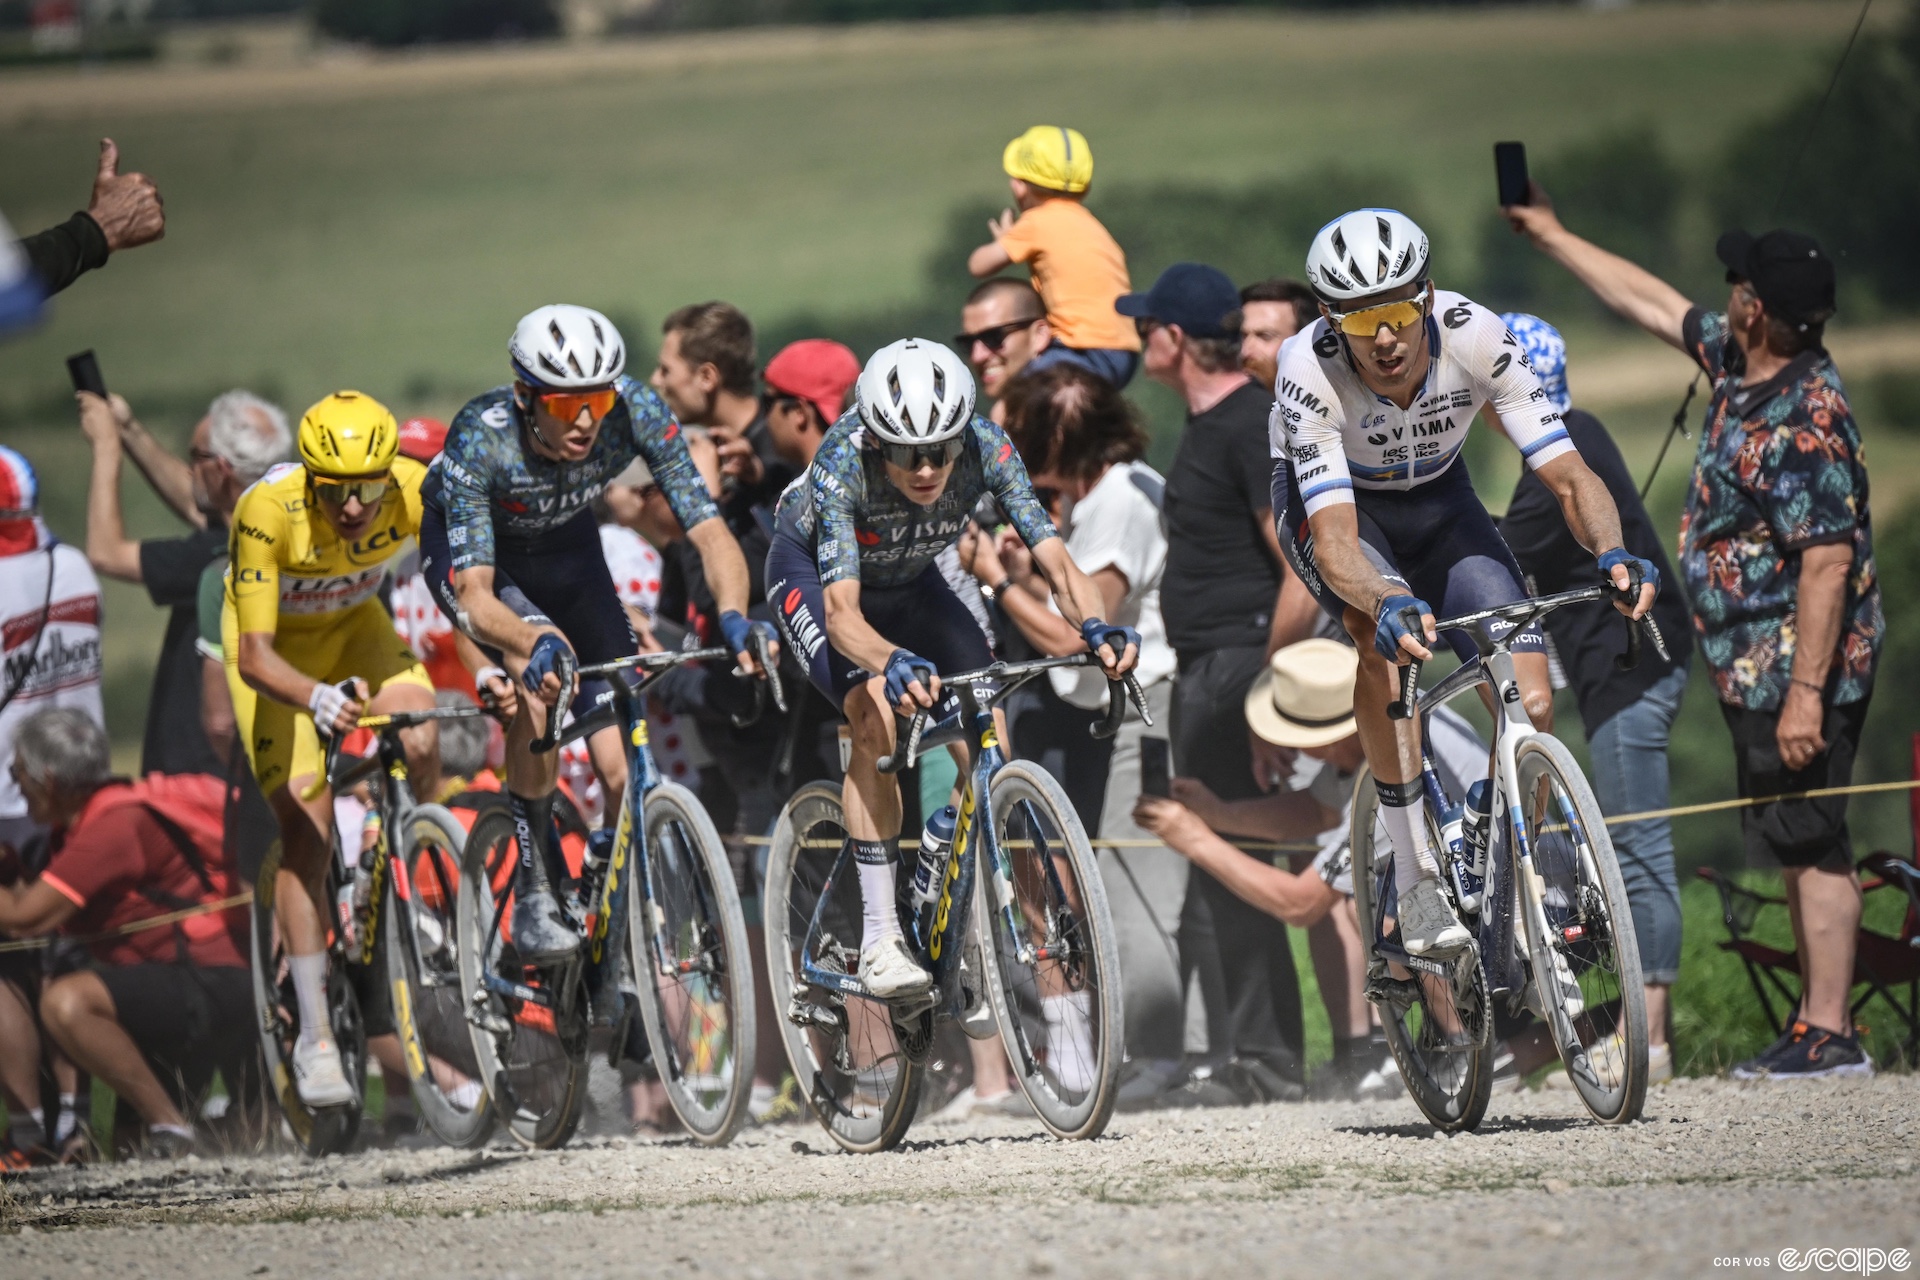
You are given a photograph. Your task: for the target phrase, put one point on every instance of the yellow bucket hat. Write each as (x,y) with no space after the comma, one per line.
(1051,156)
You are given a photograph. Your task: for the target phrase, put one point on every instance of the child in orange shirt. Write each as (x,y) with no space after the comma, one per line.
(1077,267)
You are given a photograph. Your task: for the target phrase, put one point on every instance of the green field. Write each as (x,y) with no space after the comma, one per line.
(381,223)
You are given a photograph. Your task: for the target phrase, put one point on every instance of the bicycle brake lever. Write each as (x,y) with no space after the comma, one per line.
(762,649)
(564,667)
(1631,658)
(903,756)
(1652,629)
(1408,704)
(1138,697)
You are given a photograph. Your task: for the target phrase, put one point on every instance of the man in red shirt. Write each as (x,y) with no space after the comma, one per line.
(170,1000)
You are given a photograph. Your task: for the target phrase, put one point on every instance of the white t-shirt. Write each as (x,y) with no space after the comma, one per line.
(1118,526)
(55,665)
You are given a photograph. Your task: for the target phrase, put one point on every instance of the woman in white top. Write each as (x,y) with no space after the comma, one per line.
(1082,445)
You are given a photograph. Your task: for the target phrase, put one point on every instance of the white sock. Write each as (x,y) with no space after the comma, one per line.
(310,985)
(1407,828)
(181,1130)
(465,1096)
(878,919)
(1070,1039)
(67,1121)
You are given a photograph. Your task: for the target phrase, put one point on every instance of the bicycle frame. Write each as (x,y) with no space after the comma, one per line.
(939,930)
(1493,668)
(607,885)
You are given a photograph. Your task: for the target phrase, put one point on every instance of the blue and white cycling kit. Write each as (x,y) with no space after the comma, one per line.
(490,499)
(1421,524)
(844,520)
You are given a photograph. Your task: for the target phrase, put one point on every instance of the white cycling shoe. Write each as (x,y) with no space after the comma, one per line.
(889,970)
(319,1075)
(1428,926)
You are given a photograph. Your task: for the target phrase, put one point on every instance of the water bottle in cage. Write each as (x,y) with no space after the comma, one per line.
(936,843)
(1469,856)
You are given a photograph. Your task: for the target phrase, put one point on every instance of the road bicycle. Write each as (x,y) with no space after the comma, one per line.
(1571,959)
(1043,955)
(387,940)
(676,948)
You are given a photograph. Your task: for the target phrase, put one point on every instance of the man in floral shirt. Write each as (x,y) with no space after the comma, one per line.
(1776,547)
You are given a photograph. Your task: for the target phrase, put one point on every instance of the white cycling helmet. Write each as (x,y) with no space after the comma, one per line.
(1366,252)
(566,348)
(915,391)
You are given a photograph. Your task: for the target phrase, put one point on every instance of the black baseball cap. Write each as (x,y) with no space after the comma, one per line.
(1786,269)
(1192,295)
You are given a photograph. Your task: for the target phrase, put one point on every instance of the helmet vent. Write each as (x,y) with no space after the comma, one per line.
(939,383)
(1339,243)
(1386,232)
(1383,266)
(893,387)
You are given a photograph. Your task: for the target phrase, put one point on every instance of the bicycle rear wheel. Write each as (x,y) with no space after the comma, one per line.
(1053,969)
(1438,1024)
(690,961)
(1579,926)
(845,1050)
(532,1055)
(422,942)
(319,1130)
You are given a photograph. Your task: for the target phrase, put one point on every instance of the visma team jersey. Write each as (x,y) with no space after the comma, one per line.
(497,492)
(863,528)
(1338,434)
(289,568)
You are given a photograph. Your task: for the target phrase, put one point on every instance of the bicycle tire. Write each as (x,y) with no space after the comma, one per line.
(706,1011)
(1451,1084)
(1611,977)
(318,1131)
(422,943)
(1073,1097)
(534,1072)
(861,1122)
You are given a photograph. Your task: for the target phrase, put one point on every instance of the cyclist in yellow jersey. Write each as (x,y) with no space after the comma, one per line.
(302,616)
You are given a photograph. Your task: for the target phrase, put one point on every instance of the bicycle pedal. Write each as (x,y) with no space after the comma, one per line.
(481,1015)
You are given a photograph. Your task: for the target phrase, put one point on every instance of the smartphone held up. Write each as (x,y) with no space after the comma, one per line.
(1510,171)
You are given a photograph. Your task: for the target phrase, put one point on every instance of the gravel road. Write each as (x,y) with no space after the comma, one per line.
(1715,1171)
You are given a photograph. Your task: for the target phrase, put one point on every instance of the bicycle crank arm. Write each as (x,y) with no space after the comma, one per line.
(481,1015)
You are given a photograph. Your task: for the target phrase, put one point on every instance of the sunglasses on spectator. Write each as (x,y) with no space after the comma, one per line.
(995,338)
(1145,325)
(566,405)
(912,457)
(1396,316)
(336,493)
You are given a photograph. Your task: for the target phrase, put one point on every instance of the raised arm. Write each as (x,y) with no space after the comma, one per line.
(1629,290)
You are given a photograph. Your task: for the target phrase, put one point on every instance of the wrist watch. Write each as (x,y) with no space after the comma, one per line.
(994,593)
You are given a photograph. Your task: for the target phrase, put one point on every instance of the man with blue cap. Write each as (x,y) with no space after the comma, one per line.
(1628,714)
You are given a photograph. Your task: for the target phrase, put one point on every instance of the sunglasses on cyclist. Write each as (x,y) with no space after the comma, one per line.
(566,405)
(912,457)
(335,493)
(1396,316)
(995,338)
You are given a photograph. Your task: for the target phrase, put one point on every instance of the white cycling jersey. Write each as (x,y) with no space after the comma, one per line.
(1339,434)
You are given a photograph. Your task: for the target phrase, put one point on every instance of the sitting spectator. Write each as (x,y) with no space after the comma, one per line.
(1003,327)
(1271,311)
(807,386)
(1080,439)
(1304,702)
(240,437)
(124,212)
(1076,265)
(1628,715)
(156,1006)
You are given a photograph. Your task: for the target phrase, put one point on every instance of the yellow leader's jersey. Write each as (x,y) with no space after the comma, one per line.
(289,570)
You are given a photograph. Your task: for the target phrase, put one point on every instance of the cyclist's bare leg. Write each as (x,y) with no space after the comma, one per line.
(1392,748)
(539,925)
(609,756)
(871,801)
(299,898)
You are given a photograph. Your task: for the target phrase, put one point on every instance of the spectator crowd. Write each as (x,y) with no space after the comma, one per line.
(1250,683)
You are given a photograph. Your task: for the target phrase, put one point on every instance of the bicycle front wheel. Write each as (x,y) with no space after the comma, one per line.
(1053,964)
(319,1130)
(687,939)
(530,1040)
(845,1050)
(423,963)
(1580,941)
(1437,1019)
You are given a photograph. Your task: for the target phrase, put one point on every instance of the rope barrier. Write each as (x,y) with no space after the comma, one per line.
(1252,846)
